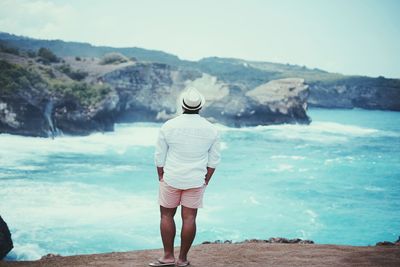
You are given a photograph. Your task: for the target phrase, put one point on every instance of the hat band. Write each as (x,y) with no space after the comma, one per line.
(189,107)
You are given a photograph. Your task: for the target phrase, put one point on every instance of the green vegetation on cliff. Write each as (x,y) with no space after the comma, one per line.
(16,79)
(46,56)
(113,58)
(87,94)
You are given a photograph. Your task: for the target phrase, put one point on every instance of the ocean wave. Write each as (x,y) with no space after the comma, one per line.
(71,203)
(294,157)
(16,149)
(374,188)
(320,126)
(26,251)
(282,168)
(320,131)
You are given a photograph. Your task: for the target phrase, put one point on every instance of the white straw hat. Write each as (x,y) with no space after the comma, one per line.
(191,99)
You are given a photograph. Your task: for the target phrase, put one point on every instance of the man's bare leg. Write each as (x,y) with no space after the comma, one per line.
(168,230)
(188,232)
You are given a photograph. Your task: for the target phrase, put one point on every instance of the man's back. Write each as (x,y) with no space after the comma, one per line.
(187,145)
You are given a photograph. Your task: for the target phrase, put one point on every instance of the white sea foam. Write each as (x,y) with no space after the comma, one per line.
(287,157)
(338,160)
(15,149)
(26,251)
(320,131)
(252,200)
(27,168)
(282,168)
(71,203)
(224,146)
(36,211)
(374,188)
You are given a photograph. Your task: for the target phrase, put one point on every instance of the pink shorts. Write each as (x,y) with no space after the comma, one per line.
(171,197)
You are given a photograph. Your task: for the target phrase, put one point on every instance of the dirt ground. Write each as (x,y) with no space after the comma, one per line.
(245,254)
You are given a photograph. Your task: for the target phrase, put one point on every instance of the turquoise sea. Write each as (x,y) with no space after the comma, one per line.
(335,181)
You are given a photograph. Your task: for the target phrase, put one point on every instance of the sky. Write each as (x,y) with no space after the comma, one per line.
(346,36)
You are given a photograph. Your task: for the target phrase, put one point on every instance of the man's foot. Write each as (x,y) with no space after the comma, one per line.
(180,263)
(163,262)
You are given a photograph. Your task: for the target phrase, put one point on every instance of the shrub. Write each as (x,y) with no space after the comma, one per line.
(31,53)
(14,77)
(7,48)
(77,75)
(47,56)
(113,58)
(87,94)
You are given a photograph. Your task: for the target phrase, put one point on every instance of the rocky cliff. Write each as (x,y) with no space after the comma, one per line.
(36,103)
(149,92)
(356,92)
(6,244)
(43,94)
(329,90)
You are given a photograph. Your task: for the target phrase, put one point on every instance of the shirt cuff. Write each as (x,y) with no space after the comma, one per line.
(209,165)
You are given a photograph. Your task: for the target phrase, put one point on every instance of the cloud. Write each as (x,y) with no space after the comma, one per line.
(39,18)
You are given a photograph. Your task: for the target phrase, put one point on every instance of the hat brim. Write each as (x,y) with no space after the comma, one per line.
(203,101)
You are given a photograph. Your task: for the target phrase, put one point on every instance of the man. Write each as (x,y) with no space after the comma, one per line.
(187,153)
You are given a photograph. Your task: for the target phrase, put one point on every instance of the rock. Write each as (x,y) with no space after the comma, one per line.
(385,243)
(254,241)
(356,92)
(6,244)
(49,256)
(149,92)
(278,240)
(289,241)
(306,242)
(46,116)
(218,242)
(276,102)
(270,240)
(71,118)
(22,116)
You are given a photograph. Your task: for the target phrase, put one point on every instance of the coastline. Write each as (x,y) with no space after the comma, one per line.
(246,253)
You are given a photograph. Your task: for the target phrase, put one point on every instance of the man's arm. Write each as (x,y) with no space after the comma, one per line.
(210,172)
(214,157)
(160,154)
(160,172)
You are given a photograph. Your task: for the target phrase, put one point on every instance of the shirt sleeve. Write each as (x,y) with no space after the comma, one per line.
(214,153)
(161,150)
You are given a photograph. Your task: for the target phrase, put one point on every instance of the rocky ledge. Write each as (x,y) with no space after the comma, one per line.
(243,254)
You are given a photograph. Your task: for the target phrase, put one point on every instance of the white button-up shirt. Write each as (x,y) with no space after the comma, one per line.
(186,146)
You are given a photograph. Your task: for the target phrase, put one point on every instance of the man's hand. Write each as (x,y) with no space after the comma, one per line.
(210,172)
(160,172)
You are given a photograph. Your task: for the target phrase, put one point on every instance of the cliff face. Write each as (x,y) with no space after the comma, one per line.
(52,115)
(149,92)
(275,102)
(367,93)
(42,106)
(79,94)
(35,105)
